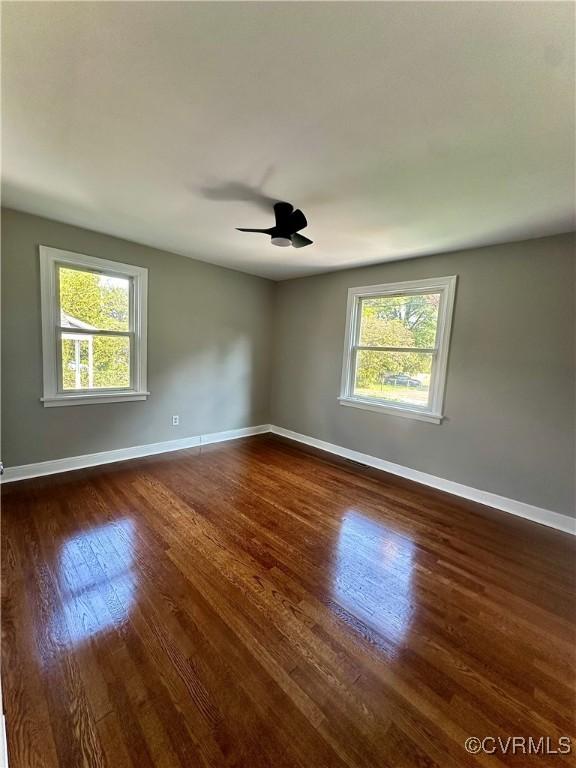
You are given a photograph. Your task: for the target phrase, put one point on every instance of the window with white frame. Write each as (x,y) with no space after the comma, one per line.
(94,323)
(396,349)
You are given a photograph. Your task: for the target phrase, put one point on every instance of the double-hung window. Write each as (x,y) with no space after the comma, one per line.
(93,329)
(396,348)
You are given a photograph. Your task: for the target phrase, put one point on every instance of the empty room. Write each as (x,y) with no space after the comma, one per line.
(288,384)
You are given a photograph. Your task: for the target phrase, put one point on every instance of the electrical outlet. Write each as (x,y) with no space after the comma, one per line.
(175,421)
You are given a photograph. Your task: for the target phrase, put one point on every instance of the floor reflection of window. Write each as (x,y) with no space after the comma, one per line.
(97,580)
(373,575)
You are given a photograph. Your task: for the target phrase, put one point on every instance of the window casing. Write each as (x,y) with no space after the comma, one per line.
(123,339)
(395,392)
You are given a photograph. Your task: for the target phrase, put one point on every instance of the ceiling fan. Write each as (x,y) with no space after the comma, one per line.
(289,222)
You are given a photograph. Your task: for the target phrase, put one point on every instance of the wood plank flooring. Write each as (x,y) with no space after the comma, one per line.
(257,605)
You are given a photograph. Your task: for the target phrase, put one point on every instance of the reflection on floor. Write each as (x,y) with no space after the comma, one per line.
(257,605)
(95,569)
(373,575)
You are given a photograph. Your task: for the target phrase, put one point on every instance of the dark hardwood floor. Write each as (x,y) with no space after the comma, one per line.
(254,604)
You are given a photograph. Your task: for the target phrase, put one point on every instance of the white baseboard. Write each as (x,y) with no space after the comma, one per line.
(3,744)
(27,471)
(234,434)
(514,507)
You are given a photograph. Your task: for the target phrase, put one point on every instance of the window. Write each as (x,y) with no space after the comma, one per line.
(93,329)
(396,349)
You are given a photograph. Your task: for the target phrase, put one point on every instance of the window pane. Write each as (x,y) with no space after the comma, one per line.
(399,377)
(95,362)
(89,300)
(399,321)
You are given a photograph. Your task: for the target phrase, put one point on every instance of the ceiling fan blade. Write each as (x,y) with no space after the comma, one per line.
(288,223)
(282,212)
(296,221)
(299,241)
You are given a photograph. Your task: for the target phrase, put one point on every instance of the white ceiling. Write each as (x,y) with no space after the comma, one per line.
(401,129)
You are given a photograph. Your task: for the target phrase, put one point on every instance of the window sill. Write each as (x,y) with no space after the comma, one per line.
(101,398)
(391,410)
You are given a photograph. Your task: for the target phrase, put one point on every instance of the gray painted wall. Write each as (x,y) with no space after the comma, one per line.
(509,404)
(208,349)
(510,396)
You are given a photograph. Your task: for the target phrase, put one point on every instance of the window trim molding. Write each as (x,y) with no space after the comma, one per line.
(446,286)
(50,259)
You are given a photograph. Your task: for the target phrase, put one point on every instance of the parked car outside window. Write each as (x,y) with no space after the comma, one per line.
(402,380)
